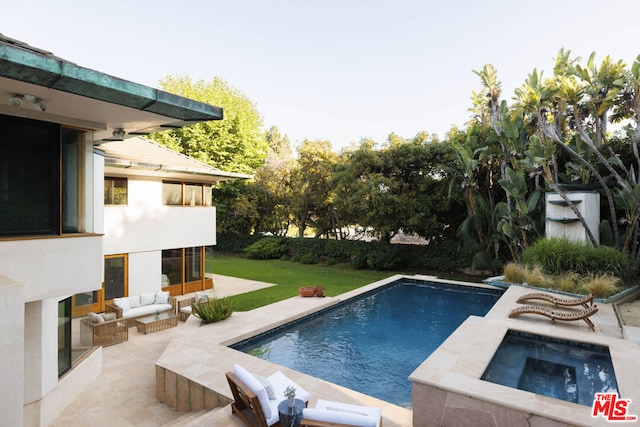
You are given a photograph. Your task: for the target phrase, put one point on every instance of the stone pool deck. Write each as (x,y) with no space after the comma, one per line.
(125,393)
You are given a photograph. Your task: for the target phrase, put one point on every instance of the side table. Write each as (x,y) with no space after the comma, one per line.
(290,416)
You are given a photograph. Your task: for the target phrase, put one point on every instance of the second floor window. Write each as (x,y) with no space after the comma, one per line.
(115,191)
(186,194)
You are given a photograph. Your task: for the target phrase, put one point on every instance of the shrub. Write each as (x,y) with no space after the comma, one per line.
(331,261)
(359,261)
(569,282)
(514,273)
(601,285)
(384,258)
(267,248)
(214,310)
(561,255)
(308,258)
(535,276)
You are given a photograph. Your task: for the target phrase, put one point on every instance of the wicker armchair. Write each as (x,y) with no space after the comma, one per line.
(103,334)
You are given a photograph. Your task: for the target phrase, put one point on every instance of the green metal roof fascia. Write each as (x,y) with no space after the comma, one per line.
(31,67)
(191,110)
(25,66)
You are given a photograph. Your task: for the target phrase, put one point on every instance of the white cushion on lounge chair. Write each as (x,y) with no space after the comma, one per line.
(338,417)
(346,413)
(279,382)
(259,390)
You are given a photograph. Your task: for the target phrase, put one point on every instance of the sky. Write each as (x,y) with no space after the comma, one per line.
(332,70)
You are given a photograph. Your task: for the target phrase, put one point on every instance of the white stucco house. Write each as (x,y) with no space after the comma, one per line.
(57,121)
(158,219)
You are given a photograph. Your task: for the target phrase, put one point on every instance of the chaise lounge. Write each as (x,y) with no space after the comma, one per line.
(584,301)
(256,398)
(565,316)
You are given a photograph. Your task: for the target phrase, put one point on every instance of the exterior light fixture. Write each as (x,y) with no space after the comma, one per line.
(119,134)
(39,105)
(16,101)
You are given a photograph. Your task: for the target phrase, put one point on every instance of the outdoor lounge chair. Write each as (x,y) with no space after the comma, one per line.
(251,396)
(337,414)
(584,301)
(565,316)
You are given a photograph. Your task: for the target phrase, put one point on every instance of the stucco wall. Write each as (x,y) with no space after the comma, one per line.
(145,270)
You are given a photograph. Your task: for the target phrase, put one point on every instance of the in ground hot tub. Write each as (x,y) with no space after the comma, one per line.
(562,369)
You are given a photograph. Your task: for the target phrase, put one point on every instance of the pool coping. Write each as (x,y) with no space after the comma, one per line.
(201,356)
(451,375)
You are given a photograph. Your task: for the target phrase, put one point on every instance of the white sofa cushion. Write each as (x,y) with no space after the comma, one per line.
(255,386)
(133,301)
(147,299)
(145,310)
(122,303)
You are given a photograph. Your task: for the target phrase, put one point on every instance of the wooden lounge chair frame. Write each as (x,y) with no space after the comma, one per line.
(565,316)
(245,400)
(585,301)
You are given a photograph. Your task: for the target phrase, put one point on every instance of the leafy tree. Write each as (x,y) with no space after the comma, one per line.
(311,192)
(234,144)
(272,185)
(402,187)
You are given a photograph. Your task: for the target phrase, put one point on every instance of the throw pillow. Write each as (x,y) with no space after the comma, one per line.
(95,318)
(162,297)
(267,386)
(201,297)
(108,316)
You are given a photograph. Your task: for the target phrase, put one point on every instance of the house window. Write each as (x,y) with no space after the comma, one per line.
(172,266)
(182,265)
(115,191)
(72,182)
(186,194)
(29,177)
(41,178)
(192,264)
(64,336)
(115,276)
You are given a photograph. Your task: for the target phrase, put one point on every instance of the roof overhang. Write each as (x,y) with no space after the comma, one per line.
(86,98)
(118,167)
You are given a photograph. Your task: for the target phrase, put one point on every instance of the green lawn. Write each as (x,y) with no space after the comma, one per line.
(288,276)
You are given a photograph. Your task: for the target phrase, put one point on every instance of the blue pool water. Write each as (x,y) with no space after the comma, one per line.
(561,369)
(373,343)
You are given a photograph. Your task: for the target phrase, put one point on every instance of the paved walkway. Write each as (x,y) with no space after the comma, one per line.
(124,393)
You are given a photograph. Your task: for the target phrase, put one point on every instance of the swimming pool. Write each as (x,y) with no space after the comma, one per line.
(562,369)
(372,343)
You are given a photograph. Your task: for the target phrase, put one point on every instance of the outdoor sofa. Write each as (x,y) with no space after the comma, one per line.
(137,306)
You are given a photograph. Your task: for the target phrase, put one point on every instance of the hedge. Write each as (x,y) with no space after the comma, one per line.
(442,256)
